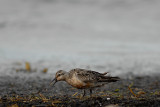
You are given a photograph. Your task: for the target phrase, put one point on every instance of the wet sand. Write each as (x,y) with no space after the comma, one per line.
(131,91)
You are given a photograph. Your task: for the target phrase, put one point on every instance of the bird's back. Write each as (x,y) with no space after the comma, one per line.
(91,78)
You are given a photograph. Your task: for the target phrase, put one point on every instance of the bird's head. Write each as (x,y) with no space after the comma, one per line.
(60,76)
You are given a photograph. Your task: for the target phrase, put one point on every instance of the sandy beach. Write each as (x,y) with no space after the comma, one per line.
(133,91)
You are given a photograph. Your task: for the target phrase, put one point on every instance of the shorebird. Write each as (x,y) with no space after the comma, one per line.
(83,79)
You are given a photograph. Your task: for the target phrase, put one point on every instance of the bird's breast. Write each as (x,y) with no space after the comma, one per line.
(75,82)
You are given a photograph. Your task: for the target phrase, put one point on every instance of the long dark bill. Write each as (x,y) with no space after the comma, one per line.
(50,85)
(53,82)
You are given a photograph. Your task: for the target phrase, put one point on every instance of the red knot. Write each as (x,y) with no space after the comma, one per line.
(83,79)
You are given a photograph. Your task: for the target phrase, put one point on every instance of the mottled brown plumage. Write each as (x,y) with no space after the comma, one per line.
(84,79)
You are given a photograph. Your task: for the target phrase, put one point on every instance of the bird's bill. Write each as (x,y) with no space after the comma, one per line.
(53,81)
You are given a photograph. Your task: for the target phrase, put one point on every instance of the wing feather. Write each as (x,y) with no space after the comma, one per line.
(87,75)
(92,76)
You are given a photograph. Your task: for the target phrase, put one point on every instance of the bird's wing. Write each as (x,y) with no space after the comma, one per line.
(87,75)
(93,76)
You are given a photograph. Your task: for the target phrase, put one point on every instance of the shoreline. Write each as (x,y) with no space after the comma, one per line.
(132,91)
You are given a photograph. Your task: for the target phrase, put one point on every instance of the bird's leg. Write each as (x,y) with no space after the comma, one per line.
(84,92)
(90,92)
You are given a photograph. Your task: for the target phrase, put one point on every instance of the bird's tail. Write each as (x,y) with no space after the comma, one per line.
(109,79)
(114,79)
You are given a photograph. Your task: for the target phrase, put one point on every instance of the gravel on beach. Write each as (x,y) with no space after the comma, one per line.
(36,91)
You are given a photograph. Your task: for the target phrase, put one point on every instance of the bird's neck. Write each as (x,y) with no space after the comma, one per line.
(66,76)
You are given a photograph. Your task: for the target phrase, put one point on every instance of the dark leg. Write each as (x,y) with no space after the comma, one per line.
(90,92)
(84,92)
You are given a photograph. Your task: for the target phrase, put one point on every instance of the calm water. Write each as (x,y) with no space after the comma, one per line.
(120,36)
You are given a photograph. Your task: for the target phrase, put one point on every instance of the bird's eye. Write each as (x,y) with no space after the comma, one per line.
(59,74)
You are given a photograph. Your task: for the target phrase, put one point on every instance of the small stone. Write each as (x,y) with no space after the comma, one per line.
(108,98)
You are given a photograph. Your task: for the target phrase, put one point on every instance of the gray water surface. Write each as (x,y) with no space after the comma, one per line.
(120,36)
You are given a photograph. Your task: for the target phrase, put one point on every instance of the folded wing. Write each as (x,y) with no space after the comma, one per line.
(93,76)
